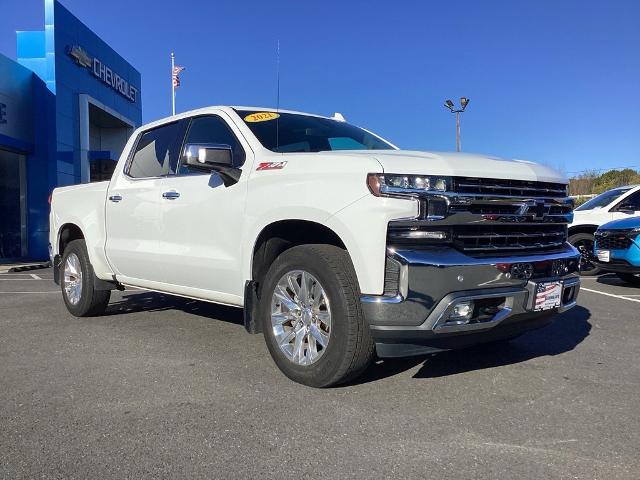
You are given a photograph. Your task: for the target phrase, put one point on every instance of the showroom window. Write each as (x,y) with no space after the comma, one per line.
(13,224)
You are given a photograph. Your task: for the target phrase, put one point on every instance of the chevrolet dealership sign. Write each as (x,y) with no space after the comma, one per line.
(103,72)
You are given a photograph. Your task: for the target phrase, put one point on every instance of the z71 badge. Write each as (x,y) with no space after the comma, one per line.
(271,166)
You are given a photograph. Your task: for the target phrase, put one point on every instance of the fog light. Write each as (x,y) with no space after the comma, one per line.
(428,234)
(461,312)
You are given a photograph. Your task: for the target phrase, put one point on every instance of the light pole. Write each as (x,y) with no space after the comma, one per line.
(464,101)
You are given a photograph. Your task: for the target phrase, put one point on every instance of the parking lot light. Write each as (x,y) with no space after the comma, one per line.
(464,101)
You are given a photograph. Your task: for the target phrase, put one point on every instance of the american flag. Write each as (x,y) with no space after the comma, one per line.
(174,76)
(542,293)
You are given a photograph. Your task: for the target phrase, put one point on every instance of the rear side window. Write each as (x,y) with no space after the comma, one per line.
(632,201)
(155,154)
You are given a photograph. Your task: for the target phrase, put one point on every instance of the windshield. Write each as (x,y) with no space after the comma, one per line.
(292,132)
(603,199)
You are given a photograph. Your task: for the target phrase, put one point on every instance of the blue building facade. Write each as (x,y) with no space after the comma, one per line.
(67,107)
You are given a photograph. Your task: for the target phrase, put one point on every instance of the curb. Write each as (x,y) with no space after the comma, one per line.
(24,268)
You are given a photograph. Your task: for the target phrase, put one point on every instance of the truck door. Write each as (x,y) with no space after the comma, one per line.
(201,238)
(134,206)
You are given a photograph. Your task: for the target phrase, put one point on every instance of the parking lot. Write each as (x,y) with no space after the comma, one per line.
(167,387)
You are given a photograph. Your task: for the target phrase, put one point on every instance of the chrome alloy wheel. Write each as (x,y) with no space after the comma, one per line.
(301,317)
(73,279)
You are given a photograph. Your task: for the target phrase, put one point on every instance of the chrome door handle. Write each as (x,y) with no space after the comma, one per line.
(172,195)
(115,198)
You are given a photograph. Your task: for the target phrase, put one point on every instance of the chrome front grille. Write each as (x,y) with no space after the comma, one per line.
(490,217)
(506,187)
(508,238)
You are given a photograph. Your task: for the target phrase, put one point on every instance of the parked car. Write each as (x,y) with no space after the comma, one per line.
(615,204)
(617,249)
(337,244)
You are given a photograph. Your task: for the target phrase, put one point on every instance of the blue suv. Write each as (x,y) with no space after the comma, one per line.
(617,248)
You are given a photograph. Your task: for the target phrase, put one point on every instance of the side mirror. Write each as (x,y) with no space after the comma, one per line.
(212,157)
(207,156)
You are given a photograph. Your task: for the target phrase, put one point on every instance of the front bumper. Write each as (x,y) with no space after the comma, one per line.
(432,280)
(622,260)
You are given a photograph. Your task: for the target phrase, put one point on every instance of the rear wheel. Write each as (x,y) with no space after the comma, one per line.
(632,278)
(77,283)
(311,316)
(584,242)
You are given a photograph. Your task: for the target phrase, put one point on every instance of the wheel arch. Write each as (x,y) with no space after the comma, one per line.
(67,233)
(280,235)
(584,228)
(272,240)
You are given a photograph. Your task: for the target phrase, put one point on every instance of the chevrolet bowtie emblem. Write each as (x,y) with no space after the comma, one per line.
(537,208)
(79,56)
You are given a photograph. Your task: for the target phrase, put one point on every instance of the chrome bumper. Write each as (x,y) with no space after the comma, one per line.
(432,281)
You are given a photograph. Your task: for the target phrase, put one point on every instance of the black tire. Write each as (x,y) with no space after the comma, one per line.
(350,348)
(91,302)
(633,279)
(584,243)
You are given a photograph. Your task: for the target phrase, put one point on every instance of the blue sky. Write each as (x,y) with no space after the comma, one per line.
(552,81)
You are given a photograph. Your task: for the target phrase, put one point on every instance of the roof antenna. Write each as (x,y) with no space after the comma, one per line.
(278,98)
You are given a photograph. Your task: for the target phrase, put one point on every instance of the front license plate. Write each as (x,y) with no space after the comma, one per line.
(604,255)
(547,295)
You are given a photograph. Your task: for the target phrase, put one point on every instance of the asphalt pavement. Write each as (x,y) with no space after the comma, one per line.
(165,387)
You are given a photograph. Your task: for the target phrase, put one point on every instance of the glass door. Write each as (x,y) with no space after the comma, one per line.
(13,213)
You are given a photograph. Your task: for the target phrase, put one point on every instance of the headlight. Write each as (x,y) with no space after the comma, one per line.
(394,184)
(634,232)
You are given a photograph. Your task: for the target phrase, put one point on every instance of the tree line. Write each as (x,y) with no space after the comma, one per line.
(591,182)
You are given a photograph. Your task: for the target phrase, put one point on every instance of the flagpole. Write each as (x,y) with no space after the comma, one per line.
(173,87)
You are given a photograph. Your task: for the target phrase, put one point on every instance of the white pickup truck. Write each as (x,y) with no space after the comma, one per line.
(338,245)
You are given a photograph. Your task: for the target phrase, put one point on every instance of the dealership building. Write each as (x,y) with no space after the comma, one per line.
(68,104)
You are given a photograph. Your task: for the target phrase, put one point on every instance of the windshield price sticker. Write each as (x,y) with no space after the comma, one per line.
(261,117)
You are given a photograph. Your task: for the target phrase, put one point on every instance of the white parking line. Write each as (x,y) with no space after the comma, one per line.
(50,291)
(610,295)
(607,275)
(15,273)
(35,277)
(21,279)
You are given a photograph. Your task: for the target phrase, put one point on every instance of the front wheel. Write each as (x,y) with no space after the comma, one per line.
(312,318)
(633,279)
(77,282)
(584,242)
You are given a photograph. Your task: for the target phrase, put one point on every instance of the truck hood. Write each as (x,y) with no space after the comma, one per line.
(458,164)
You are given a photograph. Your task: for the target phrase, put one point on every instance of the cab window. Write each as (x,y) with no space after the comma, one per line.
(155,154)
(212,129)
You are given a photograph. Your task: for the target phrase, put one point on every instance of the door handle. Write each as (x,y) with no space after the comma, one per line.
(115,198)
(171,195)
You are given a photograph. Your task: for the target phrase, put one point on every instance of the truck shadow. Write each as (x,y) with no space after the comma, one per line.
(613,280)
(563,335)
(147,301)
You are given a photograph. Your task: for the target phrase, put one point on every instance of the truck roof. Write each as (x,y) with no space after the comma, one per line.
(230,108)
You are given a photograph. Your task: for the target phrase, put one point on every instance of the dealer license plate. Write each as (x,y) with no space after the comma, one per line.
(603,255)
(548,295)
